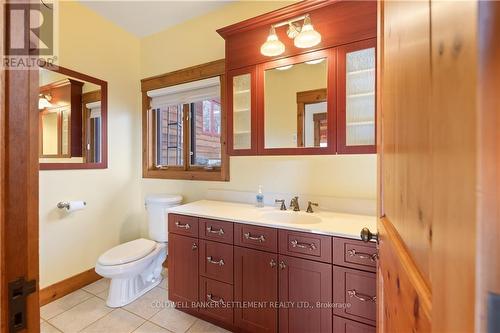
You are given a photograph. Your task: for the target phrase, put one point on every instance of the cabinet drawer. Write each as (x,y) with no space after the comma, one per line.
(355,254)
(357,288)
(219,231)
(342,325)
(216,261)
(216,298)
(305,245)
(183,225)
(260,238)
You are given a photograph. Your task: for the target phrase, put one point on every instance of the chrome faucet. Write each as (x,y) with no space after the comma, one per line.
(294,203)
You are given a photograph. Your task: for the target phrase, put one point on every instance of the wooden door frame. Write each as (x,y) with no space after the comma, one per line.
(18,182)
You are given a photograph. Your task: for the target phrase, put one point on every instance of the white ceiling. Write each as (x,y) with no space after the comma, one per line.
(143,18)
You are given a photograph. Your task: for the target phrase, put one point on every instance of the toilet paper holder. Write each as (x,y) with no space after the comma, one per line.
(65,204)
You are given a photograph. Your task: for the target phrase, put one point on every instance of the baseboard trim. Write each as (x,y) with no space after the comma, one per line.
(67,286)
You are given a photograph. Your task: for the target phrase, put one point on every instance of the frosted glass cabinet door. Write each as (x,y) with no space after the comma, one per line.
(357,109)
(241,111)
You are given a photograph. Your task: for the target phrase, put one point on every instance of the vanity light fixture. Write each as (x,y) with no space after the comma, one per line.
(308,37)
(303,37)
(44,101)
(273,46)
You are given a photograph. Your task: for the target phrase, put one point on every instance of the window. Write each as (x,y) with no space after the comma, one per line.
(183,128)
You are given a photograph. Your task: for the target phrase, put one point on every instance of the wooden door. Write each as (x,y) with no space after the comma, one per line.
(183,270)
(303,284)
(428,161)
(18,183)
(256,280)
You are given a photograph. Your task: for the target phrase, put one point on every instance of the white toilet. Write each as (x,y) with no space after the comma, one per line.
(135,267)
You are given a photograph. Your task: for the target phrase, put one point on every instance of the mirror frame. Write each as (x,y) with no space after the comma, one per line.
(104,122)
(330,55)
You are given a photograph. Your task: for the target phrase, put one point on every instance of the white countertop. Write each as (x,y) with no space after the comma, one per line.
(330,223)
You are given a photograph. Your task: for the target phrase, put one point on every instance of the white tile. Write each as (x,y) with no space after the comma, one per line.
(201,326)
(63,304)
(118,321)
(97,287)
(149,304)
(173,320)
(47,328)
(81,315)
(149,327)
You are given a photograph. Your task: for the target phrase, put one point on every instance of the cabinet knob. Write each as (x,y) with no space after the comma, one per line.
(272,263)
(282,265)
(366,235)
(194,247)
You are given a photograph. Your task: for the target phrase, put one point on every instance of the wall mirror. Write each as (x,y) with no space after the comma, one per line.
(72,120)
(296,103)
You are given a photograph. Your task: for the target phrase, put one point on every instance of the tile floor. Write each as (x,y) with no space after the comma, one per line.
(85,310)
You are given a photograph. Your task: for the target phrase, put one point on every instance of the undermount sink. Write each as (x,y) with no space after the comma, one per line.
(291,217)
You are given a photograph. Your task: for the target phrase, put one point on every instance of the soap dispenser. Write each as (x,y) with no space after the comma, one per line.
(260,198)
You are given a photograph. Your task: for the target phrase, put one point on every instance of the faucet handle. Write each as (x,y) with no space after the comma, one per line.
(309,206)
(282,201)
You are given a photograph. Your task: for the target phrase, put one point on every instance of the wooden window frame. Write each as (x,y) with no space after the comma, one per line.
(187,171)
(304,98)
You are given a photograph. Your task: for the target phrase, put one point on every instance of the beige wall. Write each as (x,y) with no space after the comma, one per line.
(70,244)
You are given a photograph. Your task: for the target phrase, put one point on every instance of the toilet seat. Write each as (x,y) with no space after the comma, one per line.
(127,252)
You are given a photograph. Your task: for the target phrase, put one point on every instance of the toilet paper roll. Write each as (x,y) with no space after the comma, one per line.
(76,205)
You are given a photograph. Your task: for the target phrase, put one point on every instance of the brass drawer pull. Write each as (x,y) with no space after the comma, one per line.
(219,232)
(182,226)
(260,238)
(361,297)
(361,255)
(211,261)
(211,298)
(310,246)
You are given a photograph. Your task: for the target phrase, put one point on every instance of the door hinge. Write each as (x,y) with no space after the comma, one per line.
(18,292)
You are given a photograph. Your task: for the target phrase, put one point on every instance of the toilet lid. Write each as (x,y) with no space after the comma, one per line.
(127,252)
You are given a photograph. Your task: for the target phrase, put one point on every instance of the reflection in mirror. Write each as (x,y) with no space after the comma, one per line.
(70,120)
(295,105)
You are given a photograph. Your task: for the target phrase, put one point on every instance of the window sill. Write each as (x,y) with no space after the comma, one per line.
(205,175)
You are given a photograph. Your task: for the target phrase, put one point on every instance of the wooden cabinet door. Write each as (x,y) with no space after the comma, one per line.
(356,116)
(304,286)
(241,111)
(183,270)
(255,280)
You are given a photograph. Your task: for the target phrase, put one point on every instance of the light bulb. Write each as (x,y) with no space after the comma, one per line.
(273,46)
(308,37)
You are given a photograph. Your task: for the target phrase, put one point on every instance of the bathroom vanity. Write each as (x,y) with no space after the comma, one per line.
(253,269)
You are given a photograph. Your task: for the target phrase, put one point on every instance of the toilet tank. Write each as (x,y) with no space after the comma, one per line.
(158,206)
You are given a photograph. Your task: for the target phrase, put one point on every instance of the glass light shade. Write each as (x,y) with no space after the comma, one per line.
(284,68)
(43,103)
(308,37)
(272,47)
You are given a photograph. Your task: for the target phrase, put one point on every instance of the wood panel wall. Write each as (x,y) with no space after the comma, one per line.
(427,104)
